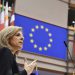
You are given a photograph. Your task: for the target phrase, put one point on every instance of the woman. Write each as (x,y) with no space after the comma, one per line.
(11,42)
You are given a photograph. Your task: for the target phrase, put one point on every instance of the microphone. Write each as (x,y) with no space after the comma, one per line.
(65,44)
(68,51)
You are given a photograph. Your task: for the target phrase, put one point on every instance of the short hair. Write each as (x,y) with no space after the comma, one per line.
(7,33)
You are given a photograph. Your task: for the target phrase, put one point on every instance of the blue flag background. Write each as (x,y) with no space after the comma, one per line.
(42,38)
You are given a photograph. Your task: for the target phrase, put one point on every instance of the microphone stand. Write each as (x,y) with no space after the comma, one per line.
(68,52)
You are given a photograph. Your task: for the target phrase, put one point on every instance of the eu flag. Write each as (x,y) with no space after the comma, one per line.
(42,38)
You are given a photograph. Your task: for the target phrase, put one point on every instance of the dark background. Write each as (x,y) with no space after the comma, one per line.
(71,17)
(10,2)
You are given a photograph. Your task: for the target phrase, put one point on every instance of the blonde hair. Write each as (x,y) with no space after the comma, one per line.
(7,33)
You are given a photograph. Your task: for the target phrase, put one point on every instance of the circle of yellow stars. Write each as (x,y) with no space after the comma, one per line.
(35,45)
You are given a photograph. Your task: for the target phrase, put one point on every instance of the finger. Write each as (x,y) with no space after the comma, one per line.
(34,61)
(25,60)
(33,64)
(36,67)
(25,64)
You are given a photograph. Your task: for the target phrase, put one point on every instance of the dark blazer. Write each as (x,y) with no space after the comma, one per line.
(8,65)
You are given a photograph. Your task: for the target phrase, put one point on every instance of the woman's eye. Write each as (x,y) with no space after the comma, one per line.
(17,34)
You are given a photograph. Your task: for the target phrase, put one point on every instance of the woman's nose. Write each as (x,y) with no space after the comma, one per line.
(22,38)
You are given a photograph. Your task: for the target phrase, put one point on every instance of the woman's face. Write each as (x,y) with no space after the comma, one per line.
(17,40)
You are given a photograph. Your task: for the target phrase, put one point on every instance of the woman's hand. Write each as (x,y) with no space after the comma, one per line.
(30,67)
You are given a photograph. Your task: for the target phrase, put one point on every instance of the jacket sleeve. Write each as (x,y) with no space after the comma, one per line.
(5,65)
(33,74)
(23,72)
